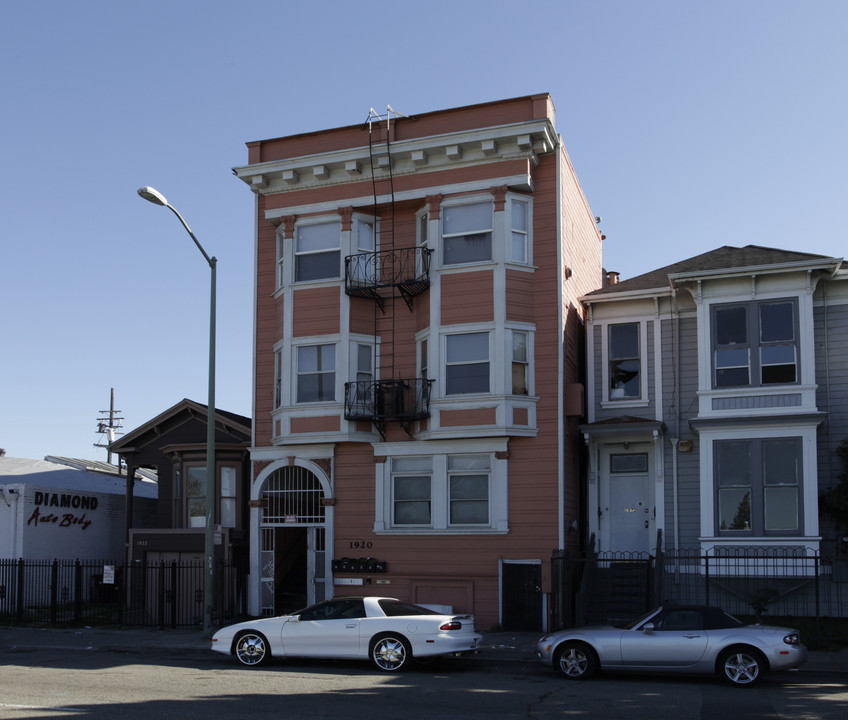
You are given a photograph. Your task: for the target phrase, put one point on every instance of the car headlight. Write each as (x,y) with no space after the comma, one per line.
(792,639)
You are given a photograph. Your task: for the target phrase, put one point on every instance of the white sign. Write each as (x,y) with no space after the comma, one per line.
(108,574)
(349,581)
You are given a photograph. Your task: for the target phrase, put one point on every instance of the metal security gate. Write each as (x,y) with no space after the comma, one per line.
(292,541)
(521,596)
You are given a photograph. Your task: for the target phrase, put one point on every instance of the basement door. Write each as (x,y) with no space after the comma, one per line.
(521,596)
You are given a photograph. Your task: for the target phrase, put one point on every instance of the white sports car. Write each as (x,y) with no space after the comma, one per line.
(387,631)
(671,639)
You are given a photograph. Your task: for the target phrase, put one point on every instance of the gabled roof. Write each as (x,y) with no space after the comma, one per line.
(232,422)
(721,260)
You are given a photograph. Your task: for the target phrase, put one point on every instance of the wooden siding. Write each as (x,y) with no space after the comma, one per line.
(467,297)
(323,424)
(831,333)
(467,418)
(316,311)
(520,306)
(676,414)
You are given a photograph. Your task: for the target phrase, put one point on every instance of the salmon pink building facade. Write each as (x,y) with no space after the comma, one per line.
(418,355)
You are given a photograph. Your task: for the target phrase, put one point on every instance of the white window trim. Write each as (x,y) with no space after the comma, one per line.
(508,230)
(443,360)
(319,220)
(498,486)
(497,230)
(529,330)
(341,362)
(643,399)
(808,491)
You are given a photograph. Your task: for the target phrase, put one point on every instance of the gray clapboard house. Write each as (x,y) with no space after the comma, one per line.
(717,396)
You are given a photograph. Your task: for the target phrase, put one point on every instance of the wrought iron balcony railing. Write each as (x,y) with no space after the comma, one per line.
(406,269)
(382,401)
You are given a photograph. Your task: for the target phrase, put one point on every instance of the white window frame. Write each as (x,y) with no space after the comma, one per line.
(446,364)
(493,448)
(467,202)
(606,399)
(511,231)
(757,488)
(754,344)
(808,485)
(297,373)
(311,223)
(525,363)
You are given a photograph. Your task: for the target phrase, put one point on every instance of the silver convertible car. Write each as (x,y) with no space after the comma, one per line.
(672,639)
(387,631)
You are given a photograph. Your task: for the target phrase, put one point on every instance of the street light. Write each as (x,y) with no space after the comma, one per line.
(154,196)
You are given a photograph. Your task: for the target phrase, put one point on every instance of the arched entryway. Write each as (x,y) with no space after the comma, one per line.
(292,540)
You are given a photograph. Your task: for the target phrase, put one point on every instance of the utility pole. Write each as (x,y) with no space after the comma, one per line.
(109,427)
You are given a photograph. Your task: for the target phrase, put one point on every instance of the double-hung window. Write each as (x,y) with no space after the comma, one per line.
(467,233)
(758,486)
(519,250)
(468,489)
(467,363)
(755,344)
(316,373)
(228,496)
(196,496)
(625,365)
(363,264)
(412,491)
(317,251)
(520,363)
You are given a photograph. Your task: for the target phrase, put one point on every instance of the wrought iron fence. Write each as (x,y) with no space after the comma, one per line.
(88,592)
(774,583)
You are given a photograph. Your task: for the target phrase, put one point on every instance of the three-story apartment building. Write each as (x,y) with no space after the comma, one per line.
(418,354)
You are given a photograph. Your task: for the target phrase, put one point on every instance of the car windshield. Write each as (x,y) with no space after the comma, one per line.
(712,618)
(637,621)
(394,608)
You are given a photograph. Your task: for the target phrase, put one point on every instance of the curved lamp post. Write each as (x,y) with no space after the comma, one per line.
(154,196)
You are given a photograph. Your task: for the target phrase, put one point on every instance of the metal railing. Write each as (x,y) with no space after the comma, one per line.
(89,592)
(388,400)
(616,587)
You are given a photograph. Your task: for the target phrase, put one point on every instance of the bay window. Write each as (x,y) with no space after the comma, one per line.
(758,486)
(316,373)
(467,363)
(755,344)
(317,251)
(467,233)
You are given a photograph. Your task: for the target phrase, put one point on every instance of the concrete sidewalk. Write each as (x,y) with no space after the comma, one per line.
(496,647)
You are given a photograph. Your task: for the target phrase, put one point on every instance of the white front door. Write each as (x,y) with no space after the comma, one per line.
(628,513)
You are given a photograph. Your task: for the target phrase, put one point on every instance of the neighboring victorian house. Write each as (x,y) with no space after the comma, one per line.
(417,360)
(174,445)
(717,398)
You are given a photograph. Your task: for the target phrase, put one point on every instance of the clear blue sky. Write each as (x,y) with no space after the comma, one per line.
(691,125)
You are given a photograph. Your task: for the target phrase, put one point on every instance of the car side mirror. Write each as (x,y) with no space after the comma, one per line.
(649,627)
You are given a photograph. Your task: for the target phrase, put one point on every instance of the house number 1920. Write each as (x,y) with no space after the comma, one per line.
(361,544)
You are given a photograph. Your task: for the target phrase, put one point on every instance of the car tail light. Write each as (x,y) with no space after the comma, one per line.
(793,639)
(452,625)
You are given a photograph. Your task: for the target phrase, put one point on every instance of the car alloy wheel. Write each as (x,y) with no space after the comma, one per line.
(576,661)
(390,653)
(741,667)
(251,649)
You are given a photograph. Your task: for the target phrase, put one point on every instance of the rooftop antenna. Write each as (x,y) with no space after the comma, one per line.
(109,427)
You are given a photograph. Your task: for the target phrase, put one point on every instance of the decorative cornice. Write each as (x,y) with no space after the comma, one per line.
(440,152)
